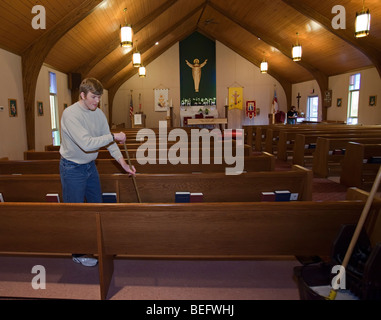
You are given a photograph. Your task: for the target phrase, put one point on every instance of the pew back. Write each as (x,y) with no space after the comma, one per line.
(360,164)
(327,159)
(258,162)
(216,187)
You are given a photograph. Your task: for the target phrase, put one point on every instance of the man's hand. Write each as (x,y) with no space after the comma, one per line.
(120,137)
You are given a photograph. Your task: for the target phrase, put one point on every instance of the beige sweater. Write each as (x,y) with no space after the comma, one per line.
(83,133)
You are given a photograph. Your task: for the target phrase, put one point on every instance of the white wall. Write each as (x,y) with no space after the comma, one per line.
(43,128)
(370,86)
(13,141)
(305,90)
(231,70)
(163,73)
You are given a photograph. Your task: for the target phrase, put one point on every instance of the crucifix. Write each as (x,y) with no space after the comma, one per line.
(298,97)
(236,96)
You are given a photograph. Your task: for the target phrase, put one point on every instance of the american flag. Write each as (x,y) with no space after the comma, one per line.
(131,107)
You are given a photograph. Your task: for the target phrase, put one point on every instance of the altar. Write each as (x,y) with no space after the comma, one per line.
(190,112)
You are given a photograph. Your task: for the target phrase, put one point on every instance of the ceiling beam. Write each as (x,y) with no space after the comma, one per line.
(320,77)
(372,53)
(34,56)
(147,45)
(115,43)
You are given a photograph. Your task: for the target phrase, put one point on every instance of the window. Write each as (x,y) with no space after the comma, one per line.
(312,108)
(54,109)
(354,97)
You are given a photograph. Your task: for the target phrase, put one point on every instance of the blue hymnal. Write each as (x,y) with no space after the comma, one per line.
(282,195)
(182,197)
(109,197)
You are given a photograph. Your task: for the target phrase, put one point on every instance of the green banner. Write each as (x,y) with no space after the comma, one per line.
(197,70)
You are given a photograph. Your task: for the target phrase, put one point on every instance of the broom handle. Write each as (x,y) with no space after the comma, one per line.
(133,177)
(362,219)
(360,224)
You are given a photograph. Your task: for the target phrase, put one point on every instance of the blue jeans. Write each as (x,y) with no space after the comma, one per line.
(80,182)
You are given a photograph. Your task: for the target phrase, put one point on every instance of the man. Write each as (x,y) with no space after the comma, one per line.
(292,115)
(84,130)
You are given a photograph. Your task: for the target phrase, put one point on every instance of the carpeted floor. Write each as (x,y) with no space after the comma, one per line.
(153,280)
(163,280)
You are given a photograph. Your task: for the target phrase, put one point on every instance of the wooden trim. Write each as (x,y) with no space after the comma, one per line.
(34,57)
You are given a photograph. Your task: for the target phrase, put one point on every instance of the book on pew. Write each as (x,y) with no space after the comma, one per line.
(196,197)
(337,151)
(52,197)
(312,146)
(374,159)
(182,197)
(268,196)
(109,197)
(294,196)
(282,195)
(1,197)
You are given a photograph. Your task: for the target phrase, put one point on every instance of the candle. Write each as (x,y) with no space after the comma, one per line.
(226,101)
(171,103)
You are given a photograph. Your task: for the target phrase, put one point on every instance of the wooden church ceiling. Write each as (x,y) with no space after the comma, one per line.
(82,36)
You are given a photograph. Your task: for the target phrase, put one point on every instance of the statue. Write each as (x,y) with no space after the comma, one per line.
(196,72)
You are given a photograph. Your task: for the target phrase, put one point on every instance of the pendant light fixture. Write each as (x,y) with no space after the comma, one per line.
(297,50)
(142,71)
(264,65)
(126,33)
(136,58)
(362,23)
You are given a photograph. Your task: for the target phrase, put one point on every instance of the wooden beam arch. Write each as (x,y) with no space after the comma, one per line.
(34,57)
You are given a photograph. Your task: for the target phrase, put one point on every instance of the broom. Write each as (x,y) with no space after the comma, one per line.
(133,177)
(360,224)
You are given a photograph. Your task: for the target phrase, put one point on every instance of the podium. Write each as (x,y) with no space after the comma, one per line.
(139,120)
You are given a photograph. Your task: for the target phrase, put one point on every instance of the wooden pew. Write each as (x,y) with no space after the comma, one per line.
(287,137)
(305,144)
(216,187)
(258,162)
(360,164)
(105,154)
(273,133)
(229,231)
(328,162)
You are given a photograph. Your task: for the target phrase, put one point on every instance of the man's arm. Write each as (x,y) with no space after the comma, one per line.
(121,138)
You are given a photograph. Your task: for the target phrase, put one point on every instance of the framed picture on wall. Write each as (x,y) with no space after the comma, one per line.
(12,104)
(339,102)
(372,101)
(40,108)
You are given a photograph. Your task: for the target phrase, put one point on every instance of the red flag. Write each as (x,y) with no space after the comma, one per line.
(131,108)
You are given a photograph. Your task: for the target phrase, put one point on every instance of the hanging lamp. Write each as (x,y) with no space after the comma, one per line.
(362,22)
(126,34)
(264,65)
(297,50)
(142,71)
(137,58)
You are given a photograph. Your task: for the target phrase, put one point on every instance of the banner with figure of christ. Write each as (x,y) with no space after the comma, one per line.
(235,98)
(197,70)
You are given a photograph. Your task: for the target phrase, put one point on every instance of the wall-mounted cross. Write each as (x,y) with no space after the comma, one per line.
(298,97)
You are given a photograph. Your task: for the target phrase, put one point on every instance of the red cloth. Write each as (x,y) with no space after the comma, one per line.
(280,117)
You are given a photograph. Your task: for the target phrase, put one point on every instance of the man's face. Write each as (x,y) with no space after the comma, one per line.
(91,100)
